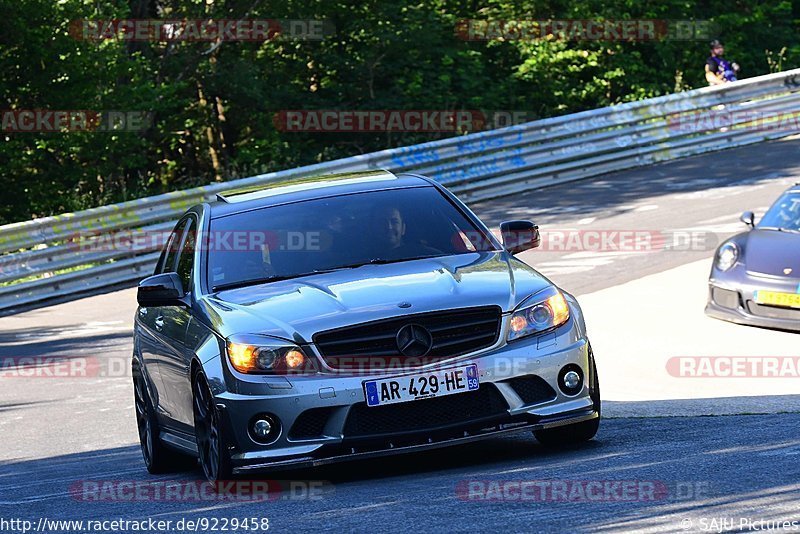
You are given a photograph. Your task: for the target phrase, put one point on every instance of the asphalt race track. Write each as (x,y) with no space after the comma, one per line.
(673,453)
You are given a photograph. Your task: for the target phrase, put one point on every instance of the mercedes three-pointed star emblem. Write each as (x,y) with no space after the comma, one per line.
(414,341)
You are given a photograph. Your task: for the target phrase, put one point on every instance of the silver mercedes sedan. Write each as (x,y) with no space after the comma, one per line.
(347,317)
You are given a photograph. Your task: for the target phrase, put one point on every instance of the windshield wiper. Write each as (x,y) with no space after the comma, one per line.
(373,261)
(779,229)
(253,281)
(267,279)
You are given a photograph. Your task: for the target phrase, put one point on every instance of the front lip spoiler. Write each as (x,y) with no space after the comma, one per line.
(739,316)
(499,429)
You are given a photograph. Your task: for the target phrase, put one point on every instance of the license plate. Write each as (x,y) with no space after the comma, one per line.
(773,298)
(421,386)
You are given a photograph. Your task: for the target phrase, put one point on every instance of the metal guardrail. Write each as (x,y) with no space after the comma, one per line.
(64,255)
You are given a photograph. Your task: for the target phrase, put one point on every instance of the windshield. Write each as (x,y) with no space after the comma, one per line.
(335,233)
(784,214)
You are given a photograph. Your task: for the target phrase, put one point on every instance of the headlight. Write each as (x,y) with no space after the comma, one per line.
(255,354)
(727,256)
(543,311)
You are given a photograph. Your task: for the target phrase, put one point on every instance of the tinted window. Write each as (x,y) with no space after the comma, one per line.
(784,214)
(330,233)
(167,261)
(186,258)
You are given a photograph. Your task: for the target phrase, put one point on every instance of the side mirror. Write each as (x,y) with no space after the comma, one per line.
(748,218)
(161,290)
(519,236)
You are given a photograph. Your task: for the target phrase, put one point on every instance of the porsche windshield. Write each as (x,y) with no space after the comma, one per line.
(338,232)
(784,213)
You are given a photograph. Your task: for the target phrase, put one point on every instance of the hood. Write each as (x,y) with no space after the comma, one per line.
(771,252)
(297,309)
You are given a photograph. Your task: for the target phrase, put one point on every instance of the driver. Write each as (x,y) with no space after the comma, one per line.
(389,231)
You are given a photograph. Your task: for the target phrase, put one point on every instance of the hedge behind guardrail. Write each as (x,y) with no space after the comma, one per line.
(66,255)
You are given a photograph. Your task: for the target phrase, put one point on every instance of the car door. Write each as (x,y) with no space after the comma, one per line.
(149,320)
(174,363)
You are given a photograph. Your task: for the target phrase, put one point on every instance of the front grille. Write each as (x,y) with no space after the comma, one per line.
(311,423)
(460,409)
(773,312)
(454,332)
(532,389)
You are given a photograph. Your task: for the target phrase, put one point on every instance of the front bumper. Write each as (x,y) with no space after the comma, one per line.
(330,455)
(735,302)
(536,360)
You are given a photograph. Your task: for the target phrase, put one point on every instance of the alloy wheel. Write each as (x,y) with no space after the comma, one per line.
(207,430)
(143,419)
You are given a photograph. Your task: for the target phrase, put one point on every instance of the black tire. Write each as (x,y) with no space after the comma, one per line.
(212,444)
(578,432)
(158,458)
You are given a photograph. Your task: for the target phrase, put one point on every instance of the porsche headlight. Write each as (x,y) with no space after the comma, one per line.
(543,311)
(254,354)
(727,256)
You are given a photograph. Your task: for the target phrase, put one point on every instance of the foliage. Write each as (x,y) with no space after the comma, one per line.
(213,105)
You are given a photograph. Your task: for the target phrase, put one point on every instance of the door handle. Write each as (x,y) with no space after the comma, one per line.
(142,312)
(159,322)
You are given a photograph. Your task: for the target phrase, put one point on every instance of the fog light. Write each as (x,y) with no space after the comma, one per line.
(264,428)
(572,379)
